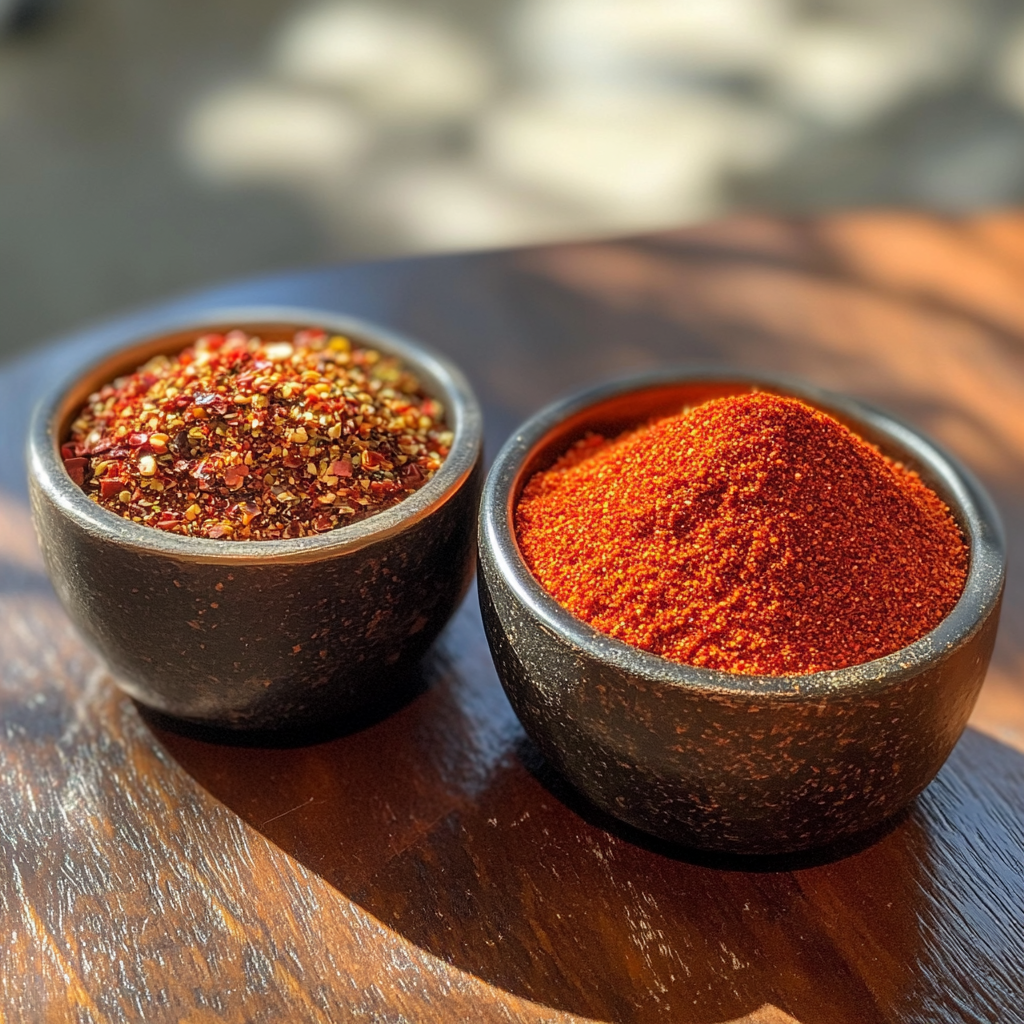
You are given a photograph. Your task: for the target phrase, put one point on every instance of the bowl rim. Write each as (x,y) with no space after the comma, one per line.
(439,376)
(968,500)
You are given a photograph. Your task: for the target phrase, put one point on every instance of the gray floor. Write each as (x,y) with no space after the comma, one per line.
(149,148)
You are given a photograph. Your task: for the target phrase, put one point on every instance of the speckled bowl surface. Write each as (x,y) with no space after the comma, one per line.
(261,634)
(709,759)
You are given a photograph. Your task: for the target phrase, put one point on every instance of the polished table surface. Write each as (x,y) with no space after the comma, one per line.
(428,867)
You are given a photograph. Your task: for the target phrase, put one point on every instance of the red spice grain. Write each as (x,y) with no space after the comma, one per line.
(235,438)
(752,534)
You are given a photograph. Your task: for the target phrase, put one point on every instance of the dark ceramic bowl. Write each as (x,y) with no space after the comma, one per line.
(709,759)
(261,634)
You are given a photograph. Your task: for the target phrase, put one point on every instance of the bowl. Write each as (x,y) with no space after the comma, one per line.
(714,760)
(261,634)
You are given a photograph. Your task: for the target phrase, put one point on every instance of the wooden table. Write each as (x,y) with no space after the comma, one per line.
(427,867)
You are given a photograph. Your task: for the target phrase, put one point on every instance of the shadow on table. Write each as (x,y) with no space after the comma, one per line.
(443,822)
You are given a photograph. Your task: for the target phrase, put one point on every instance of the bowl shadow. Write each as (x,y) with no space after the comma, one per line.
(436,815)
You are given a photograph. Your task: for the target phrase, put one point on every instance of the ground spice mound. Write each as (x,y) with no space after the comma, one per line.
(751,534)
(240,439)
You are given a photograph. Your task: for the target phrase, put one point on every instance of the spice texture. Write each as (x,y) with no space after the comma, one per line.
(235,438)
(751,534)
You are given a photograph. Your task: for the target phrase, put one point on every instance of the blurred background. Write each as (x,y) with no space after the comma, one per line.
(148,148)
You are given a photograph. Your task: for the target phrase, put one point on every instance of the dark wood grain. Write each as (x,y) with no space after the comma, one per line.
(427,866)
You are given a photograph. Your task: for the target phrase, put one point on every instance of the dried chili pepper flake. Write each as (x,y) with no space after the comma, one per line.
(211,402)
(110,487)
(202,441)
(752,534)
(247,511)
(234,476)
(76,469)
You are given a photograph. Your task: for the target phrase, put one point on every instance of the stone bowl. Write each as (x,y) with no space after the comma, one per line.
(261,635)
(713,760)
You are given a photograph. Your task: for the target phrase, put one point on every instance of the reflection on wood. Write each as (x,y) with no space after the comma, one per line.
(766,1014)
(428,867)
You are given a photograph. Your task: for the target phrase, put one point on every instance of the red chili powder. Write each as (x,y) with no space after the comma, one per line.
(752,534)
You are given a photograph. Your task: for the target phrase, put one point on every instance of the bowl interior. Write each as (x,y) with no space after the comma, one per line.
(613,408)
(438,378)
(127,360)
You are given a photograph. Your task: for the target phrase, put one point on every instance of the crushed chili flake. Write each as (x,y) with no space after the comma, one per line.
(751,534)
(240,439)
